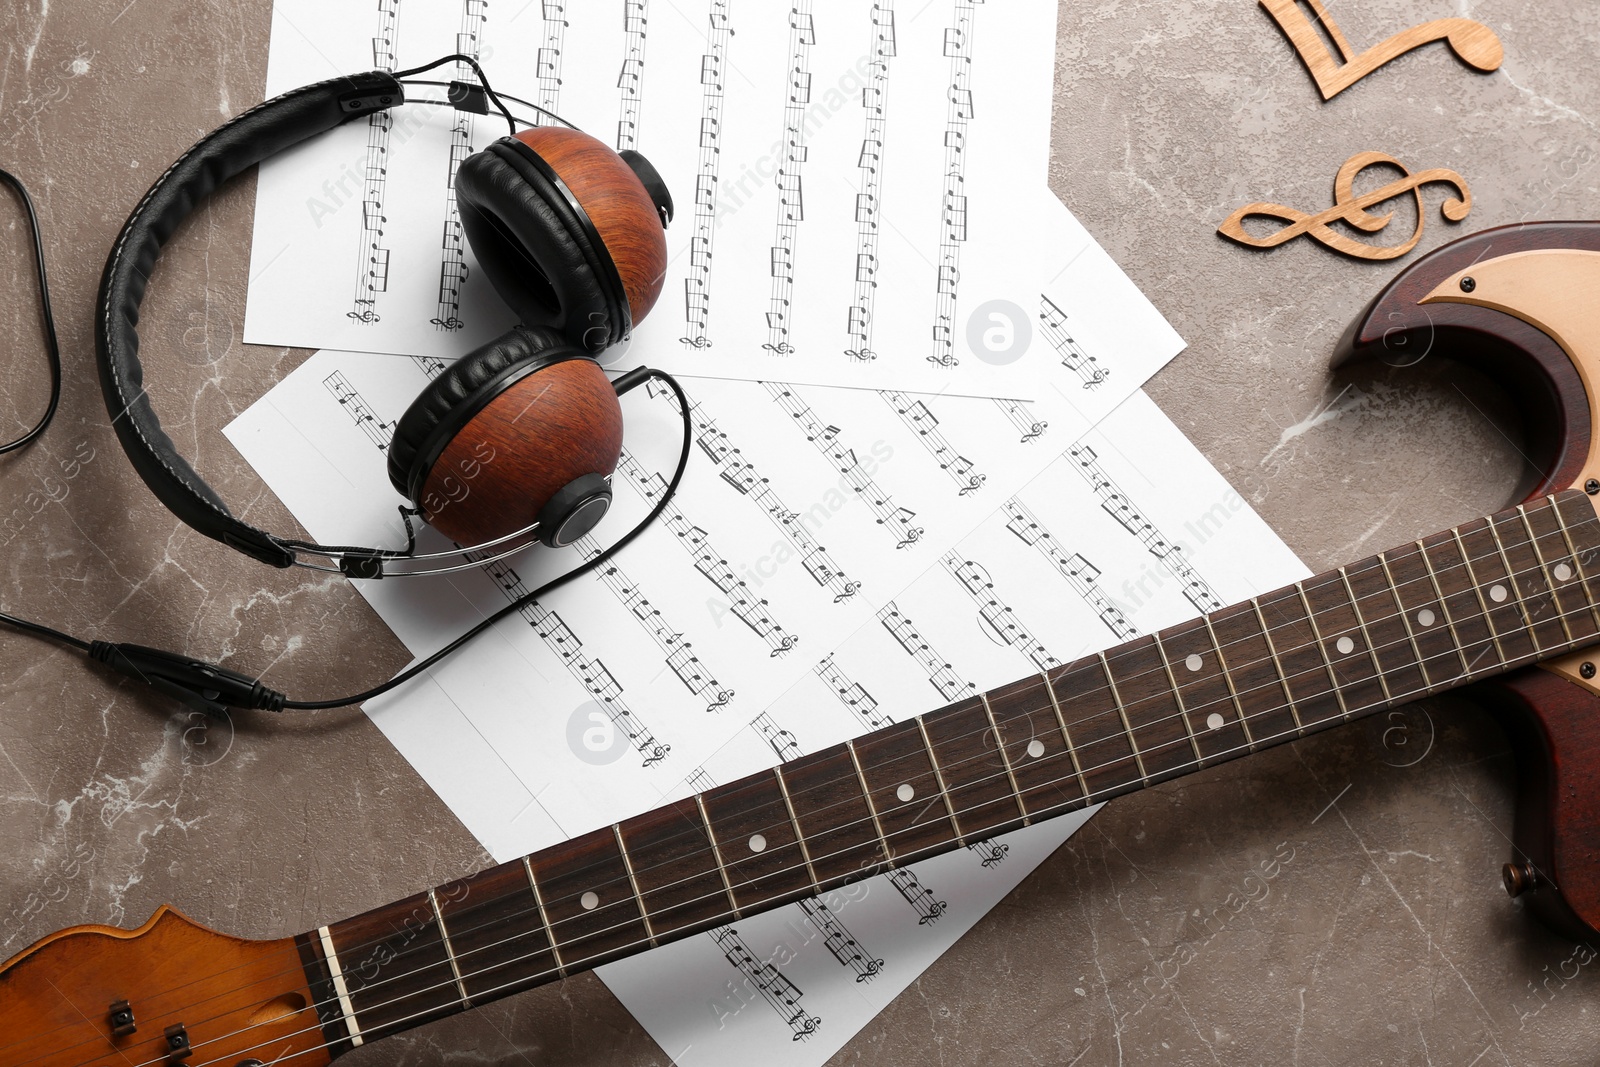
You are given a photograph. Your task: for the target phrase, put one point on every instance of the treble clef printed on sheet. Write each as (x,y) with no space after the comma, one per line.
(996,618)
(953,209)
(372,257)
(1079,573)
(874,105)
(791,163)
(630,80)
(920,421)
(753,611)
(825,439)
(1054,322)
(453,267)
(1020,415)
(697,283)
(1117,504)
(681,657)
(923,900)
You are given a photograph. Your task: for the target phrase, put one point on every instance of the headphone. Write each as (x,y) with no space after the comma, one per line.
(571,236)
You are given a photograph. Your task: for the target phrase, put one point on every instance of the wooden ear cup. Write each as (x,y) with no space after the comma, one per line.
(623,212)
(540,449)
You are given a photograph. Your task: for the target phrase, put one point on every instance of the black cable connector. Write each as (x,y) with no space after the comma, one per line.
(202,686)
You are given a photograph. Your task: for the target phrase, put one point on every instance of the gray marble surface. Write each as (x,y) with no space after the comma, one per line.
(1381,935)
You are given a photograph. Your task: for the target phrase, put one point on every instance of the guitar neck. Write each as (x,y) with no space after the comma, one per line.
(1462,605)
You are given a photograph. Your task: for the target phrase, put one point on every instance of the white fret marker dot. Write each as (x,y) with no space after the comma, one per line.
(1193,662)
(758,843)
(1345,646)
(1036,748)
(1497,593)
(590,900)
(1563,572)
(1425,617)
(1214,721)
(905,792)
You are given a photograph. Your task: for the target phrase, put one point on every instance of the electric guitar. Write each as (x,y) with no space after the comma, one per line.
(1509,603)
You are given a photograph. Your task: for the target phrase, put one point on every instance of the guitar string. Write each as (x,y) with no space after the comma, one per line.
(549,974)
(1121,759)
(1089,798)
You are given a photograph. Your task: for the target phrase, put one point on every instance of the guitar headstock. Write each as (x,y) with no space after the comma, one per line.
(170,993)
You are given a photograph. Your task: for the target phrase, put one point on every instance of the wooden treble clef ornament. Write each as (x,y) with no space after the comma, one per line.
(1352,209)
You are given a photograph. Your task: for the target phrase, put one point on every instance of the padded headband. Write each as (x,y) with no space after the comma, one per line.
(237,145)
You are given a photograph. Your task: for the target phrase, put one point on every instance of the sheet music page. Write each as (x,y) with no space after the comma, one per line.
(712,647)
(860,190)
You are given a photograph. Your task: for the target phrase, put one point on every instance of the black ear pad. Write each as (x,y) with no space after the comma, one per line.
(460,392)
(538,248)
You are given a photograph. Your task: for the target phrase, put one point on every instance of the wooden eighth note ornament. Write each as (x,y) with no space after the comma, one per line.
(1352,209)
(1473,43)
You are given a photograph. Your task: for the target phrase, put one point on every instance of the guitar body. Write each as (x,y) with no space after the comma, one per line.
(235,1000)
(1550,366)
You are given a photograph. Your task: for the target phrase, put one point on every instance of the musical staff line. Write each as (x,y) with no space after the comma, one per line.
(712,566)
(590,673)
(922,422)
(997,618)
(1073,357)
(782,994)
(681,657)
(742,477)
(699,781)
(860,703)
(940,673)
(825,439)
(372,258)
(783,742)
(791,198)
(1119,507)
(453,267)
(630,80)
(1079,573)
(697,283)
(874,105)
(547,64)
(1020,415)
(355,405)
(923,901)
(840,941)
(953,211)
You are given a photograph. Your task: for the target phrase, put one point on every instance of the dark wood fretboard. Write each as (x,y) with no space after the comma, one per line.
(1479,600)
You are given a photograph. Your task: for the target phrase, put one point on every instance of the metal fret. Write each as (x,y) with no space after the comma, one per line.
(1405,618)
(1372,650)
(1538,554)
(627,865)
(1327,662)
(1065,735)
(872,809)
(1583,579)
(544,917)
(1183,712)
(1477,589)
(799,837)
(1511,580)
(716,850)
(340,990)
(1283,678)
(1222,665)
(1444,609)
(944,790)
(449,951)
(1000,746)
(1105,665)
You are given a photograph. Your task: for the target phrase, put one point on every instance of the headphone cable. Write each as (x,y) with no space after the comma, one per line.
(52,347)
(213,689)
